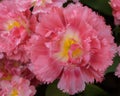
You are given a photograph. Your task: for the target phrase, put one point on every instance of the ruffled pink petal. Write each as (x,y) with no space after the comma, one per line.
(97,60)
(46,70)
(71,80)
(89,75)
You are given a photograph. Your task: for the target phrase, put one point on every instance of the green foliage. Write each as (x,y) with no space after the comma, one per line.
(101,6)
(115,63)
(52,90)
(117,34)
(93,90)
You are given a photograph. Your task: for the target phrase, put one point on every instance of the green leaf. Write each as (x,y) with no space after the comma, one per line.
(52,90)
(116,31)
(102,6)
(93,90)
(115,64)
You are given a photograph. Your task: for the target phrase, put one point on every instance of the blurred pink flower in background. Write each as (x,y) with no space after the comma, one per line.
(15,79)
(118,49)
(17,86)
(8,68)
(15,30)
(72,44)
(42,6)
(115,4)
(21,5)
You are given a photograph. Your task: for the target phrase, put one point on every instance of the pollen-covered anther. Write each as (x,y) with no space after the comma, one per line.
(14,92)
(70,47)
(12,24)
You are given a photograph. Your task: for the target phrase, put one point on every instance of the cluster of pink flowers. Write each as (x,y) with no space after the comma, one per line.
(40,41)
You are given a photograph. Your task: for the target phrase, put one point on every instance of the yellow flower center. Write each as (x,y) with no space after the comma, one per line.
(14,92)
(70,39)
(43,2)
(12,24)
